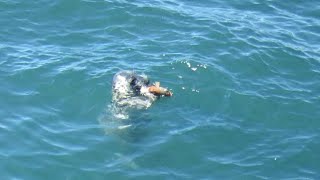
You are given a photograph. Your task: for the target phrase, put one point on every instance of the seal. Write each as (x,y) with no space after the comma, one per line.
(128,83)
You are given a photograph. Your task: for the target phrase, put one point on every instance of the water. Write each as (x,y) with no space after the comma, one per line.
(245,77)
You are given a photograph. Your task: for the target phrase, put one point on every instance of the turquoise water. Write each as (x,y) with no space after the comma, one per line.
(245,77)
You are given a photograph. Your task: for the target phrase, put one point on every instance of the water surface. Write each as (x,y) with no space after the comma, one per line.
(245,77)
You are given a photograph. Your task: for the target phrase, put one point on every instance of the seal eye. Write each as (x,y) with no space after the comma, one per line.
(136,84)
(133,81)
(147,82)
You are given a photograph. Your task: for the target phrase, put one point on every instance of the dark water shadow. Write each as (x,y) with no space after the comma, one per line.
(137,129)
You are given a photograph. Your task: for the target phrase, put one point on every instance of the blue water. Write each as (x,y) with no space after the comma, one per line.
(245,77)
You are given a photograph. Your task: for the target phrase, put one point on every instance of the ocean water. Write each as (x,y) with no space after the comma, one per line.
(245,77)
